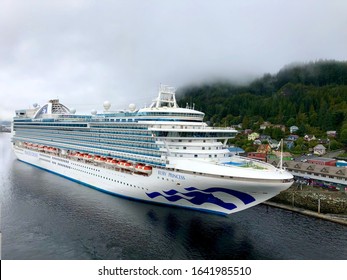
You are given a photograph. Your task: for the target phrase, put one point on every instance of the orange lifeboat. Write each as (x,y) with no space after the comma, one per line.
(41,147)
(147,169)
(96,158)
(138,167)
(128,166)
(109,161)
(100,159)
(88,157)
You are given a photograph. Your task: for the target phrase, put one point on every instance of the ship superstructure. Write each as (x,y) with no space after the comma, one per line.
(161,154)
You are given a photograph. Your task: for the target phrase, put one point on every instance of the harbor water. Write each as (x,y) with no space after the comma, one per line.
(45,216)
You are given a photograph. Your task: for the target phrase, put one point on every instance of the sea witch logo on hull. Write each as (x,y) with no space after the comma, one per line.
(198,197)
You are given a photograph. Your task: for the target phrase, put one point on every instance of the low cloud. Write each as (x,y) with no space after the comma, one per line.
(85,52)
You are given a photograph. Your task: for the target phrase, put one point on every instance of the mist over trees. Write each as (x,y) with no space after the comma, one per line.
(312,96)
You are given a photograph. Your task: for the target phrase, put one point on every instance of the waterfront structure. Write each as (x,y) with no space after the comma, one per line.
(325,173)
(161,153)
(322,161)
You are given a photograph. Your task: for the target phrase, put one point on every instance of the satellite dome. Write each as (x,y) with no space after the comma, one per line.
(107,105)
(72,110)
(94,112)
(132,107)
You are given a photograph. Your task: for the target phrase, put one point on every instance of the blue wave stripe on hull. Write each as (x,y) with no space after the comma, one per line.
(198,198)
(244,197)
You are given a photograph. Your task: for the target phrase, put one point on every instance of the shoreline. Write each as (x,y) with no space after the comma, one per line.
(328,217)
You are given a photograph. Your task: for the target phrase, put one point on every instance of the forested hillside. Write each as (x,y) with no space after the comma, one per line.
(312,96)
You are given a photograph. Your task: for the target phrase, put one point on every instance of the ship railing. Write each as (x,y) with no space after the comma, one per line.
(190,128)
(133,148)
(252,162)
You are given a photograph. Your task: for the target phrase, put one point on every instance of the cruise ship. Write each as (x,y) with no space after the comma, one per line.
(159,154)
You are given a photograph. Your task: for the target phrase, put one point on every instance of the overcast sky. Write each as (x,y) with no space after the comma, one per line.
(87,51)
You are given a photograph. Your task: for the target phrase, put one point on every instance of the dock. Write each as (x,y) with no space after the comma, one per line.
(335,218)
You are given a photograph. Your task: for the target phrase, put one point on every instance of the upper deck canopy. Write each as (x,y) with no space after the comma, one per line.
(53,107)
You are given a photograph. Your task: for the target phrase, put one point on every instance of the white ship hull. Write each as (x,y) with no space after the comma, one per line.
(165,186)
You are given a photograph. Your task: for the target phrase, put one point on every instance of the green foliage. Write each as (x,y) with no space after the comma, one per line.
(343,134)
(334,145)
(312,96)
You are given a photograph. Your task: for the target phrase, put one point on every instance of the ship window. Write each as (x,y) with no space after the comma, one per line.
(195,155)
(203,148)
(184,148)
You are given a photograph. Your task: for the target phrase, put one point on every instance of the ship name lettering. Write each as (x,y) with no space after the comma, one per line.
(171,175)
(177,176)
(31,154)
